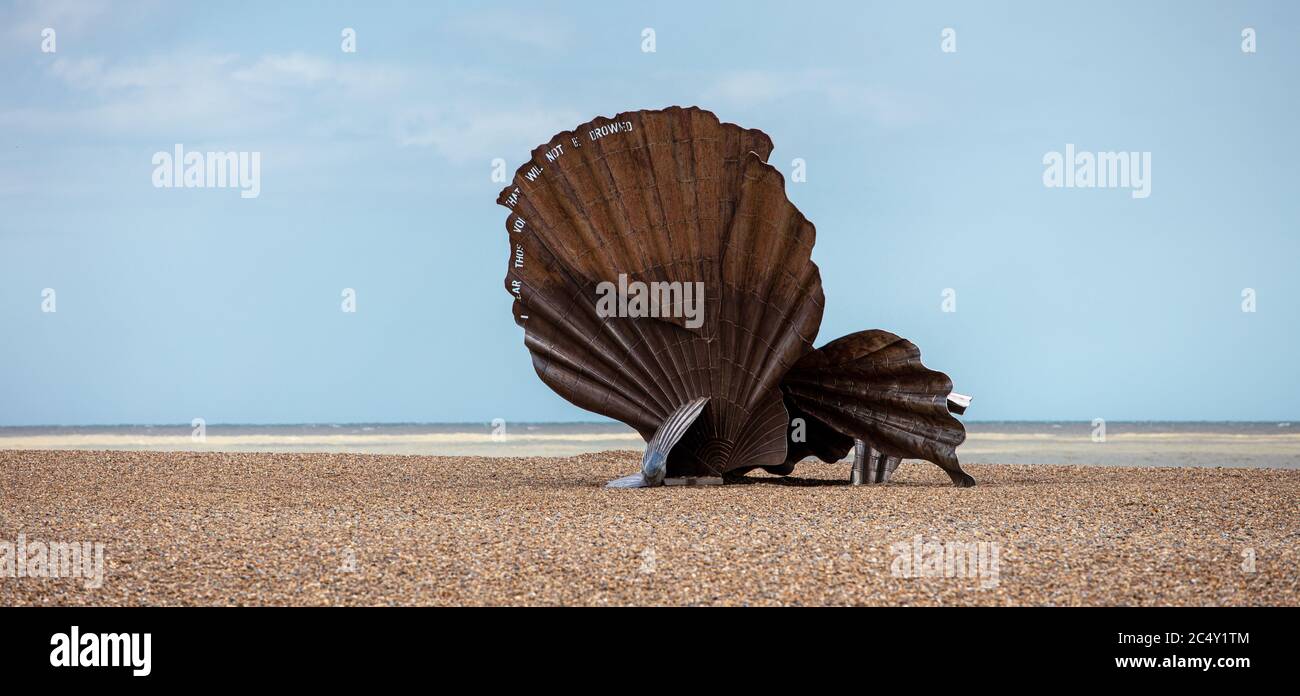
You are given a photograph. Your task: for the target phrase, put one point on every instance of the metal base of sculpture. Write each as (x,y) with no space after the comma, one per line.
(654,463)
(871,466)
(694,481)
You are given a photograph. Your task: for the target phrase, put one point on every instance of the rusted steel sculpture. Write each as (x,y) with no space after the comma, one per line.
(663,279)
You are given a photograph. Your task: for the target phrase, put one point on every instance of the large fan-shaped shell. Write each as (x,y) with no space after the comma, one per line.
(670,196)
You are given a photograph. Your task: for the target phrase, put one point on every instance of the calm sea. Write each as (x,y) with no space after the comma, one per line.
(1147,443)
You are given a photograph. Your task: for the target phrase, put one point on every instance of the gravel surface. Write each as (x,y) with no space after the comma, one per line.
(252,529)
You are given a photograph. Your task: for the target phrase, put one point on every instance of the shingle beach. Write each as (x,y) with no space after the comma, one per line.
(182,528)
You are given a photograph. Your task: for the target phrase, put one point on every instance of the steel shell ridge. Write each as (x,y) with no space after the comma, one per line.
(663,278)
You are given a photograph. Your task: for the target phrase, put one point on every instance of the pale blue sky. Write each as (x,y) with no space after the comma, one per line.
(924,173)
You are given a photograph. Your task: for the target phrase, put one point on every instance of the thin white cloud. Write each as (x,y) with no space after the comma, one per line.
(753,87)
(455,113)
(302,70)
(471,131)
(192,96)
(823,88)
(207,94)
(503,27)
(169,72)
(69,18)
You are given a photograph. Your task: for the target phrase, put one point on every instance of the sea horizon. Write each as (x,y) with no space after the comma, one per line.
(967,421)
(1250,444)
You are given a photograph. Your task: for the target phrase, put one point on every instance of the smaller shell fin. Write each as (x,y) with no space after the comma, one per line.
(654,463)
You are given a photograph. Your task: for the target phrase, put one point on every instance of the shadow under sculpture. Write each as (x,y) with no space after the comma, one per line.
(663,279)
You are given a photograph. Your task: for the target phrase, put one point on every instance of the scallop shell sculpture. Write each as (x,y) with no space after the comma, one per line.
(663,279)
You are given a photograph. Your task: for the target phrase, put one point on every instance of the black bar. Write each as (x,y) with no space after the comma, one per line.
(215,646)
